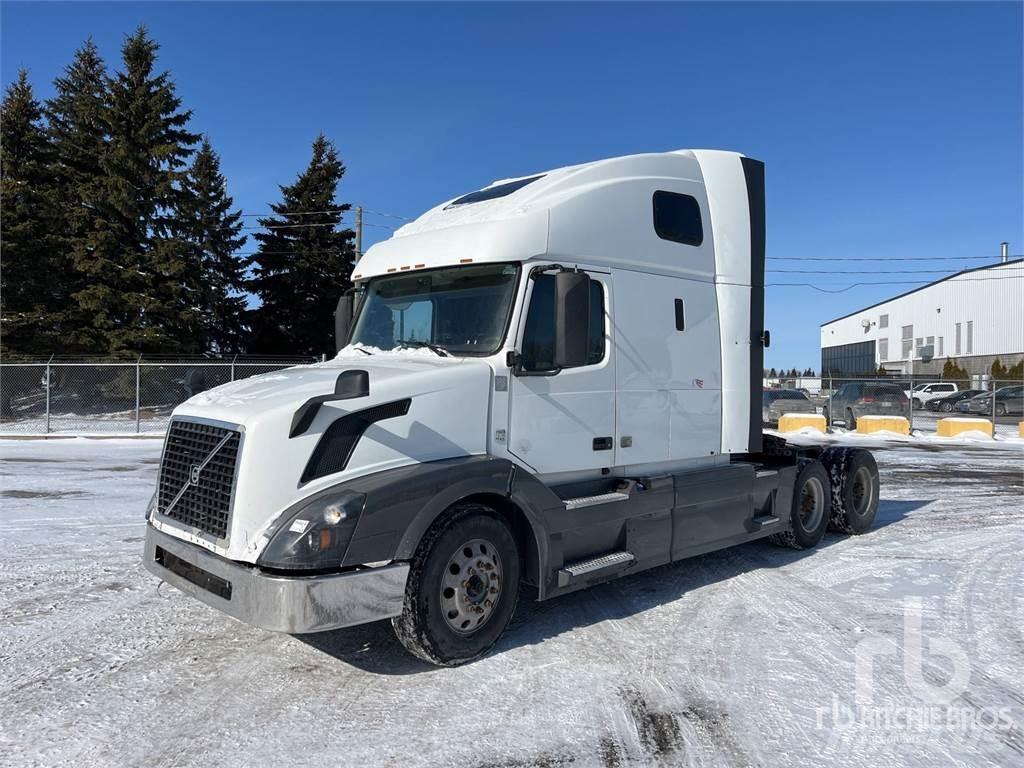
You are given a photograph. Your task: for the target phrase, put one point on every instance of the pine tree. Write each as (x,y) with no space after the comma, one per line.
(304,262)
(135,261)
(998,370)
(31,271)
(772,374)
(77,135)
(215,276)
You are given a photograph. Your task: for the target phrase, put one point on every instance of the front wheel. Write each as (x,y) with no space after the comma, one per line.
(809,511)
(1000,409)
(946,407)
(462,588)
(851,420)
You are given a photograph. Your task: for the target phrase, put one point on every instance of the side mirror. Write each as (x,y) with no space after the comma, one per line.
(343,320)
(572,319)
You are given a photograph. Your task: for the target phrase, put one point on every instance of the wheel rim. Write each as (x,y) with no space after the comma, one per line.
(471,586)
(862,491)
(812,504)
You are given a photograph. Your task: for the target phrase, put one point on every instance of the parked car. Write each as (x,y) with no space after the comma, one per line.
(778,402)
(922,393)
(1008,400)
(866,398)
(949,403)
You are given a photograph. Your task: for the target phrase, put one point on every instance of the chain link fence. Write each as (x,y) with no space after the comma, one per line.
(112,397)
(921,400)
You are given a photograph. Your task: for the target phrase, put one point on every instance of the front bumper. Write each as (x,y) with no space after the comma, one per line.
(293,604)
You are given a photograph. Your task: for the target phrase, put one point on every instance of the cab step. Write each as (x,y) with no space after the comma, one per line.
(765,521)
(612,560)
(593,501)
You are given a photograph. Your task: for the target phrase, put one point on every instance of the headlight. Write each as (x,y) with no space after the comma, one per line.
(317,535)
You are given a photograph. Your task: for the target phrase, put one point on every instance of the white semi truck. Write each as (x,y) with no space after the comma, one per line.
(552,381)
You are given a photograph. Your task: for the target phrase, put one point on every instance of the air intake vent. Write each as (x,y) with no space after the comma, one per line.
(335,447)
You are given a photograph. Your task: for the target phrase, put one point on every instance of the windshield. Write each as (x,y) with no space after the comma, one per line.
(463,310)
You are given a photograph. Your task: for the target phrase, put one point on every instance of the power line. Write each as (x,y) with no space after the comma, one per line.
(819,287)
(862,271)
(300,226)
(350,209)
(886,258)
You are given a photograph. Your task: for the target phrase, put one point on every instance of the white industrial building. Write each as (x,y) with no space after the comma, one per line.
(973,317)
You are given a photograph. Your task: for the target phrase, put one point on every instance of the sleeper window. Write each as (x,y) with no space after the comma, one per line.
(539,335)
(677,218)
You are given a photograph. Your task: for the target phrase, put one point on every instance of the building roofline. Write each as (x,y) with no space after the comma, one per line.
(921,288)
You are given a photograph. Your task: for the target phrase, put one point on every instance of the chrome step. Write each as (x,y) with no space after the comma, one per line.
(764,521)
(584,567)
(593,501)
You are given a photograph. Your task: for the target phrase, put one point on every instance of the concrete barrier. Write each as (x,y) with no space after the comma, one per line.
(953,426)
(1020,428)
(792,422)
(868,424)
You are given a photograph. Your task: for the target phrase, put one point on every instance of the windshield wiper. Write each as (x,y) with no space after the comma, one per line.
(435,348)
(363,350)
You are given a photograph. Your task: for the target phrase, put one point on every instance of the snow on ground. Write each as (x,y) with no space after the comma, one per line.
(743,657)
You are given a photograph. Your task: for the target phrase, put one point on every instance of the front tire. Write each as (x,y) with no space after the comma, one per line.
(946,407)
(853,474)
(851,420)
(462,588)
(1000,409)
(809,511)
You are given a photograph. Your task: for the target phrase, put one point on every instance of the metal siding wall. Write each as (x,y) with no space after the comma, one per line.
(996,307)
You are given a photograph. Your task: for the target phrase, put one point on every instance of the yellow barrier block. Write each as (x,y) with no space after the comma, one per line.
(954,426)
(1020,428)
(791,422)
(868,424)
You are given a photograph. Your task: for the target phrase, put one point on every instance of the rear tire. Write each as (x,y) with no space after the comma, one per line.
(809,512)
(853,474)
(946,407)
(462,589)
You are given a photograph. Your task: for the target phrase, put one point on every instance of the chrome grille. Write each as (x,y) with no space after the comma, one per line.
(197,476)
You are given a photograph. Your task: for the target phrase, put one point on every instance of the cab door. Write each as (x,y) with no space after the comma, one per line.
(563,420)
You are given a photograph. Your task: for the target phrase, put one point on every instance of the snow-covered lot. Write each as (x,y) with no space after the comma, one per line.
(901,647)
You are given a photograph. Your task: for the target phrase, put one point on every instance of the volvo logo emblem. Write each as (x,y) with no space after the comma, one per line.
(193,474)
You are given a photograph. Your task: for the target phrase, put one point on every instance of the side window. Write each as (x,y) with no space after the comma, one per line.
(677,218)
(539,334)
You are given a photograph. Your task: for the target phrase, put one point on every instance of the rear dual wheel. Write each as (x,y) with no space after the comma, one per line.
(853,475)
(809,511)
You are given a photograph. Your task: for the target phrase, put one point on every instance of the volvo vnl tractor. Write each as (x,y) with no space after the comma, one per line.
(539,386)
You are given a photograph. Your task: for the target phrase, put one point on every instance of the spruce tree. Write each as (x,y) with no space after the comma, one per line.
(135,261)
(30,276)
(215,275)
(304,262)
(77,135)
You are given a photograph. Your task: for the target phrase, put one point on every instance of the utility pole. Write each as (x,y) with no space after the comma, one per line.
(359,232)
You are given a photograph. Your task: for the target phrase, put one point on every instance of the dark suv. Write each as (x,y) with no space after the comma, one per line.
(866,398)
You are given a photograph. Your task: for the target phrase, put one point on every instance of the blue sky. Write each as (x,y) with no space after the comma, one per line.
(887,129)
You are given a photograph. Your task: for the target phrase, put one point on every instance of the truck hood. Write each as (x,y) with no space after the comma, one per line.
(447,417)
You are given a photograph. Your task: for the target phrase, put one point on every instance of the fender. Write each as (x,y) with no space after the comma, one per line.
(401,504)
